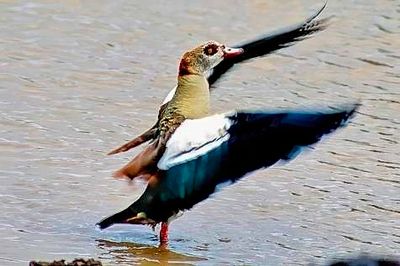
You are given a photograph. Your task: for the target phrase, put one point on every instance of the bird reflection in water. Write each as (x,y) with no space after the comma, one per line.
(141,254)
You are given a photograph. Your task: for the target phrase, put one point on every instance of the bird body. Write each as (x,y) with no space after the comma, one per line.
(191,153)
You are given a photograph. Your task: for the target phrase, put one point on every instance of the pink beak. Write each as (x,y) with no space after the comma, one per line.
(232,52)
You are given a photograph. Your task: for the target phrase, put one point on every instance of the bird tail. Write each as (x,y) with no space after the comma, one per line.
(120,217)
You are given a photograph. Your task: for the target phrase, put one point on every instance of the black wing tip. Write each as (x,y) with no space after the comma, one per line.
(310,25)
(316,25)
(343,114)
(299,31)
(270,42)
(316,14)
(348,110)
(353,109)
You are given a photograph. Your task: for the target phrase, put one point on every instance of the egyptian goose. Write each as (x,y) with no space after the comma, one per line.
(192,153)
(260,46)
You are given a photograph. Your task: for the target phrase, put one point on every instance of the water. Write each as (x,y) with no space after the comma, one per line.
(79,78)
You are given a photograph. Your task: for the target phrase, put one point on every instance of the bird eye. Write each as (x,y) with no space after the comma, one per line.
(210,49)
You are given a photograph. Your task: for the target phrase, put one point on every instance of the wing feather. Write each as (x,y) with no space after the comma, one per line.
(270,42)
(256,140)
(193,138)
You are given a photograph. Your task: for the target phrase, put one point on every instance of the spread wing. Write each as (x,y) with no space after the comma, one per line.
(204,153)
(230,147)
(270,42)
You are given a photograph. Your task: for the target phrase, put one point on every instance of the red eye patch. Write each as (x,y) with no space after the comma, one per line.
(210,49)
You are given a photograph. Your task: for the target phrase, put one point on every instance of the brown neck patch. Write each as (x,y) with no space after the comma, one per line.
(184,68)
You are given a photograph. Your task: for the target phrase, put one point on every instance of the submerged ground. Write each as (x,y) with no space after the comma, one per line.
(79,78)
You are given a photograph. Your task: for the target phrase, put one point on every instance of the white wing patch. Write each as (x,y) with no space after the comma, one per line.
(193,138)
(170,94)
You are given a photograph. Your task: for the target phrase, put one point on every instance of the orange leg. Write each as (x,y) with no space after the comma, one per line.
(164,235)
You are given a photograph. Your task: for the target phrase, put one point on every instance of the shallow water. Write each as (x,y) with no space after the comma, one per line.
(79,78)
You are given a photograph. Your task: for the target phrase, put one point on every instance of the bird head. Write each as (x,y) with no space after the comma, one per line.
(204,57)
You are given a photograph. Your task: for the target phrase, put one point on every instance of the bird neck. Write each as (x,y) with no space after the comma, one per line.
(192,96)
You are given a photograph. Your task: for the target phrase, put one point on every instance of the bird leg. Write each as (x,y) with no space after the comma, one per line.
(164,235)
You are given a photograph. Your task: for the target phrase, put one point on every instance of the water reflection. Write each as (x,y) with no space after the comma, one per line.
(127,252)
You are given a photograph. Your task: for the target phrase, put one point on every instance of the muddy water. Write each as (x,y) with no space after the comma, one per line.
(79,78)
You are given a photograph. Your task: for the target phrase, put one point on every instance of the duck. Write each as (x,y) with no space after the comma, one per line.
(257,47)
(192,154)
